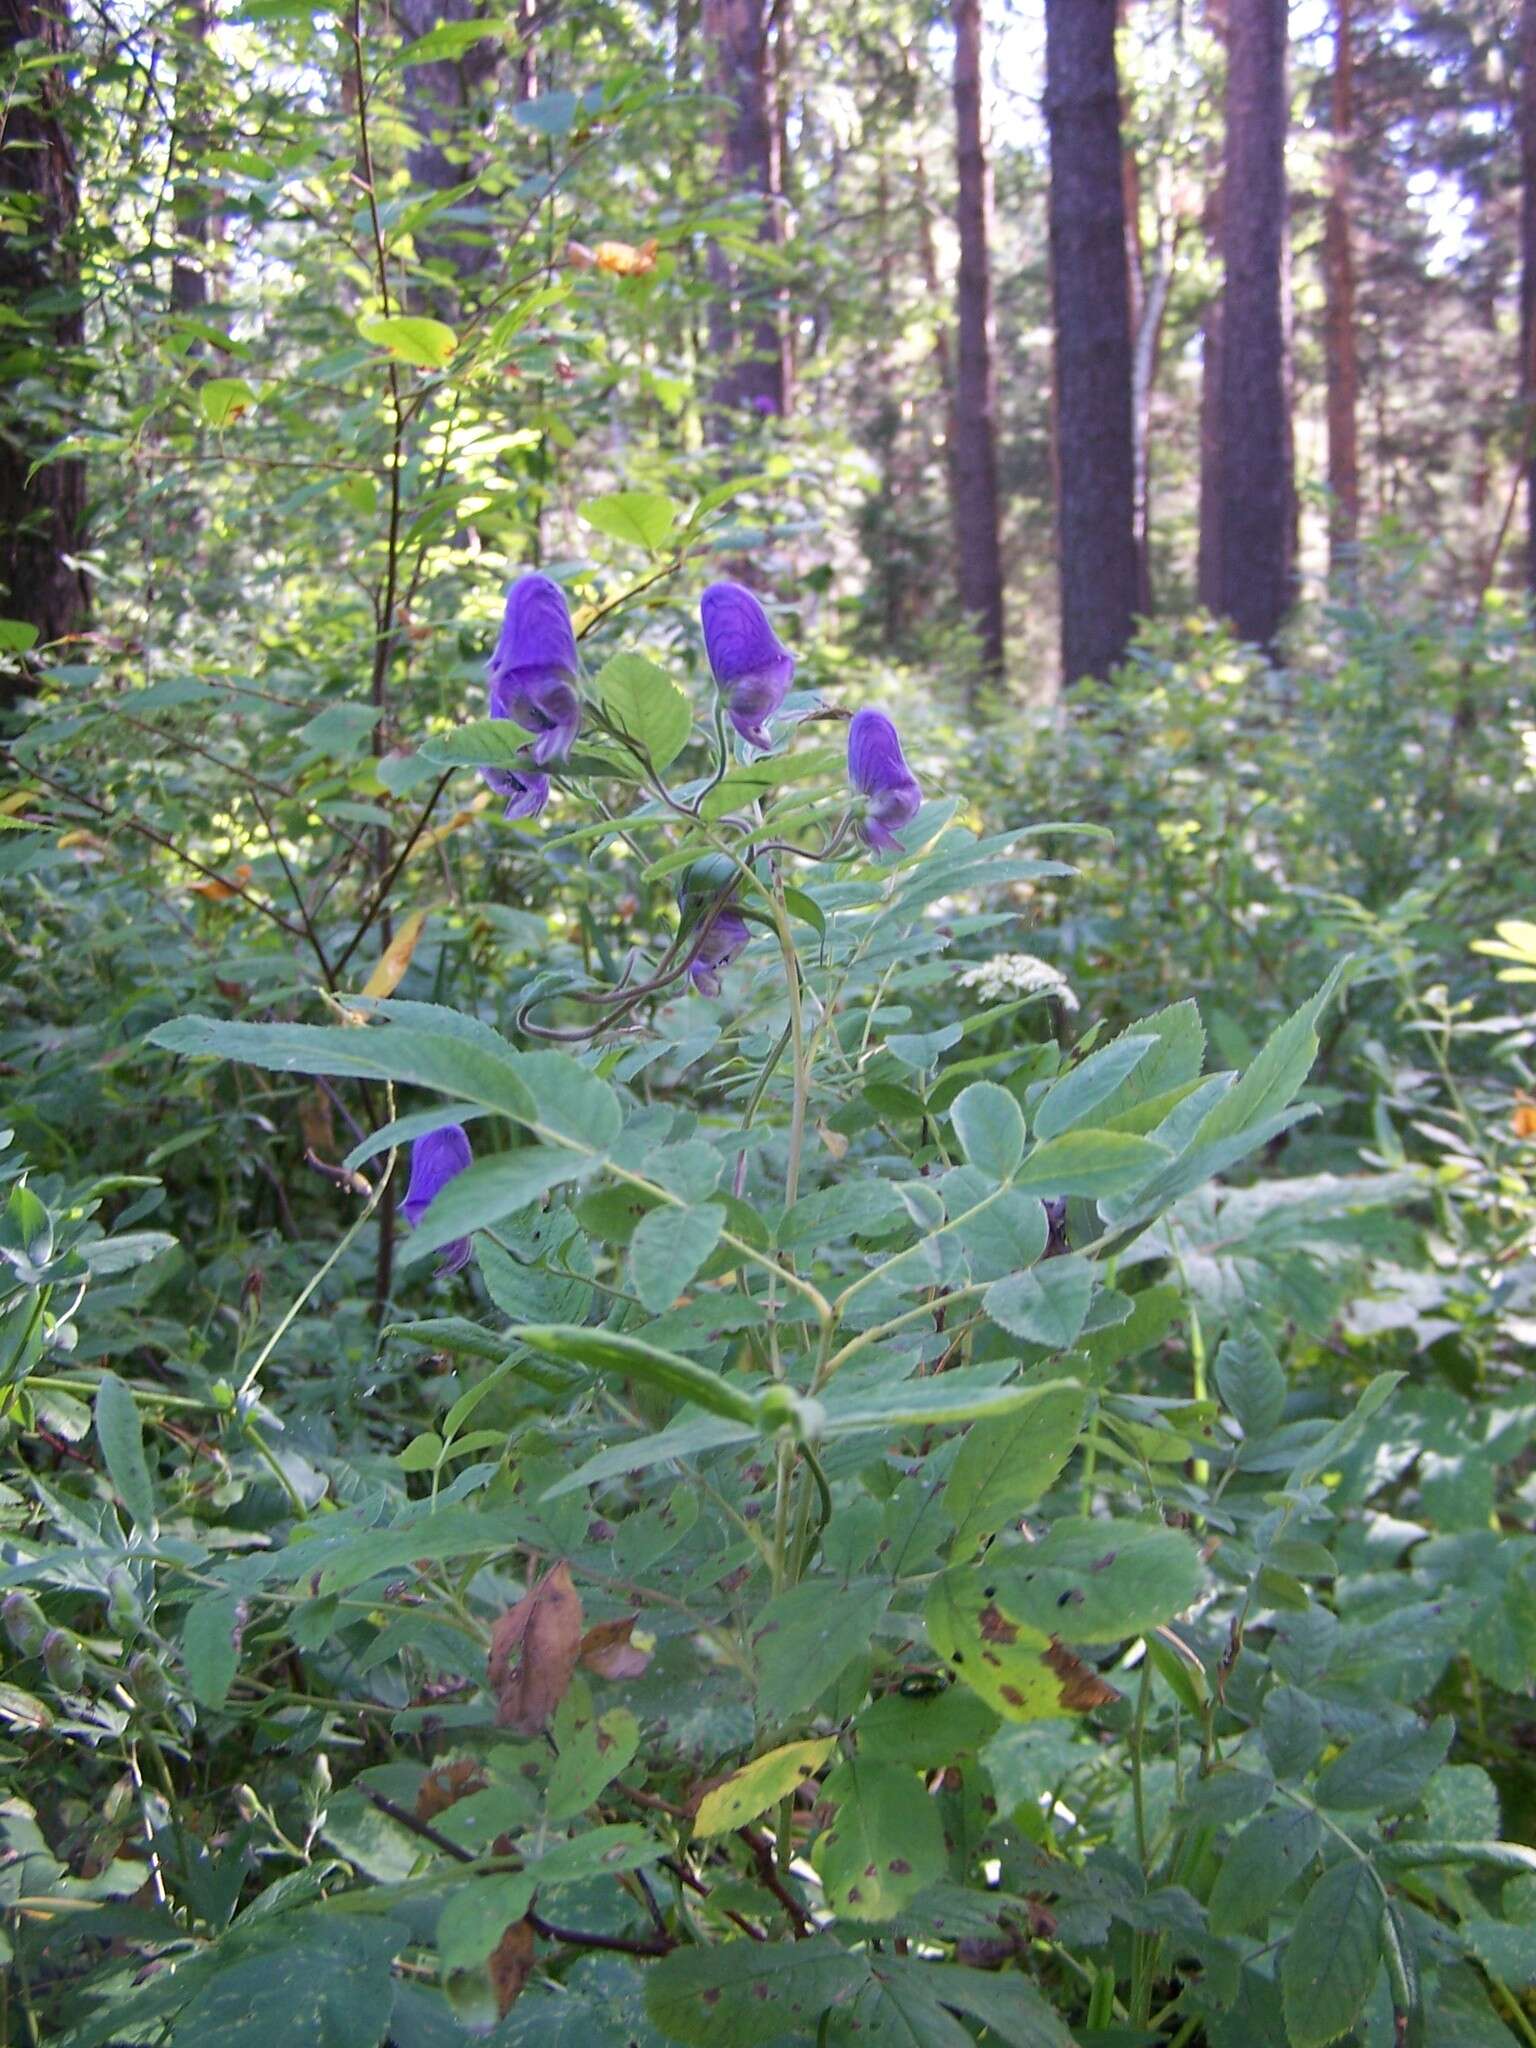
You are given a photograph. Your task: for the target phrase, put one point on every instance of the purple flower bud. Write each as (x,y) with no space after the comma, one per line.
(878,770)
(725,938)
(751,666)
(766,405)
(436,1159)
(533,668)
(526,791)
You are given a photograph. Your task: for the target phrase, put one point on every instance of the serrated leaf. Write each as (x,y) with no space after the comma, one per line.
(1006,1463)
(1046,1305)
(1022,1673)
(643,701)
(990,1127)
(885,1842)
(806,1637)
(410,338)
(1260,1866)
(758,1785)
(643,518)
(669,1247)
(1080,1091)
(120,1433)
(1331,1959)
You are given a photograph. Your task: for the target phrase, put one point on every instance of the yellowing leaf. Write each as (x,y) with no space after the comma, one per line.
(410,338)
(216,890)
(396,957)
(758,1785)
(623,259)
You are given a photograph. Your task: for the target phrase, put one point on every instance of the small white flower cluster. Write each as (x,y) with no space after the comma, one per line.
(1018,974)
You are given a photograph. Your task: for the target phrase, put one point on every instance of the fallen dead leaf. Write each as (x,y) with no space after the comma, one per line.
(545,1627)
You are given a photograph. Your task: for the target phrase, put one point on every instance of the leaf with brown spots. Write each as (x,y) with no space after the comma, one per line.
(1081,1686)
(544,1632)
(511,1965)
(607,1649)
(446,1784)
(1021,1671)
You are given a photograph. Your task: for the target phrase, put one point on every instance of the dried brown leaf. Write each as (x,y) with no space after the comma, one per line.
(445,1784)
(543,1632)
(606,1649)
(511,1965)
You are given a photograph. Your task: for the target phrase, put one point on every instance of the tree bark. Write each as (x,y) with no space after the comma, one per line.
(1208,567)
(1096,543)
(189,266)
(1257,498)
(42,515)
(1343,365)
(1528,276)
(973,450)
(441,97)
(748,331)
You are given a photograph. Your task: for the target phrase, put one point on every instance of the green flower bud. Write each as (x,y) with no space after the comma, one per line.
(147,1681)
(63,1660)
(123,1602)
(25,1622)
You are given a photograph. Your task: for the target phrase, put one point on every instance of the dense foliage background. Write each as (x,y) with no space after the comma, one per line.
(976,1485)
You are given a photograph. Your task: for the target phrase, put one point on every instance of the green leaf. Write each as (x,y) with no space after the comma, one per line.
(1078,1093)
(1004,2002)
(1272,1081)
(669,1247)
(1021,1673)
(318,1980)
(487,1193)
(1097,1582)
(410,338)
(1331,1959)
(450,39)
(1164,1075)
(885,1842)
(1292,1725)
(927,1730)
(1090,1163)
(482,743)
(643,518)
(16,636)
(990,1127)
(593,1751)
(422,1454)
(1006,1463)
(744,1994)
(806,1637)
(630,1358)
(1259,1868)
(475,1917)
(208,1651)
(1385,1769)
(120,1433)
(1047,1305)
(223,399)
(1251,1382)
(643,701)
(758,1785)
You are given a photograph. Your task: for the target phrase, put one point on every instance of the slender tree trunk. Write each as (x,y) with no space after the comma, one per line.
(1096,543)
(189,266)
(42,513)
(1528,274)
(748,334)
(1208,568)
(1257,497)
(1343,365)
(973,450)
(441,97)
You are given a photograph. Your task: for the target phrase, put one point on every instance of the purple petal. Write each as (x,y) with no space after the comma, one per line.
(436,1159)
(751,666)
(535,630)
(526,792)
(455,1258)
(717,947)
(878,771)
(543,704)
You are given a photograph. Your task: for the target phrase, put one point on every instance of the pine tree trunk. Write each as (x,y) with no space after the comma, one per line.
(1096,543)
(1343,366)
(1208,567)
(748,334)
(42,515)
(1256,496)
(1528,275)
(973,452)
(189,266)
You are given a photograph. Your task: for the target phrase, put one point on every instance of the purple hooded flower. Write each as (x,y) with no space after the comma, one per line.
(878,770)
(533,668)
(719,946)
(436,1159)
(751,666)
(526,790)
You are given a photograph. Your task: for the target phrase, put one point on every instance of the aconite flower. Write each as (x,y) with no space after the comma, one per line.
(878,770)
(436,1159)
(526,789)
(706,898)
(533,668)
(751,666)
